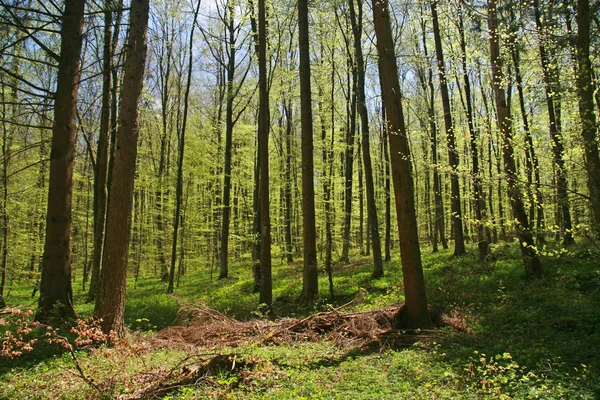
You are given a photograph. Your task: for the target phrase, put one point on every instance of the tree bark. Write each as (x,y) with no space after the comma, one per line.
(266,287)
(414,281)
(310,282)
(586,110)
(101,172)
(110,303)
(56,293)
(226,215)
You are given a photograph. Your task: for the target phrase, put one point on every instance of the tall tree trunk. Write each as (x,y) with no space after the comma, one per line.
(356,21)
(181,152)
(110,303)
(6,137)
(479,202)
(288,181)
(531,160)
(459,240)
(310,281)
(439,231)
(587,114)
(56,292)
(349,164)
(533,266)
(555,132)
(101,171)
(226,216)
(388,206)
(266,289)
(414,282)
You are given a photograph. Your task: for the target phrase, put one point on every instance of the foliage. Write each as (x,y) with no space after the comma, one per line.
(514,340)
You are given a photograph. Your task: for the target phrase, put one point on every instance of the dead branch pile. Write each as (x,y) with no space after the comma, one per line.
(209,328)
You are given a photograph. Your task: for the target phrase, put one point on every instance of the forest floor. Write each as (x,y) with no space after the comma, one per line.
(498,335)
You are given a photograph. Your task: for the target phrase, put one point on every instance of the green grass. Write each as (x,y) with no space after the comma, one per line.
(525,339)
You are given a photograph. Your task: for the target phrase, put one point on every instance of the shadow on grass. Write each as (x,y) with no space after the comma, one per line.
(550,326)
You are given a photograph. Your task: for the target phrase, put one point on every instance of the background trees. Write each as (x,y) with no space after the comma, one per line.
(254,125)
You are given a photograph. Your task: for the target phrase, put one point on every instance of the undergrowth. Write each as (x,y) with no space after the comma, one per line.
(518,338)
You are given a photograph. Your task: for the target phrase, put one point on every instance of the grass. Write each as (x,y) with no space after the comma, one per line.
(525,339)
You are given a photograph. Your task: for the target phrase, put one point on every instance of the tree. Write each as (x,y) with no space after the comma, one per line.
(56,293)
(459,240)
(412,269)
(479,202)
(102,152)
(266,290)
(555,131)
(533,266)
(181,152)
(356,22)
(110,303)
(586,110)
(439,225)
(310,282)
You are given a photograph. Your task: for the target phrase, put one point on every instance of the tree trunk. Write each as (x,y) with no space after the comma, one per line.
(388,206)
(414,281)
(364,118)
(555,133)
(266,289)
(56,293)
(479,202)
(586,110)
(288,182)
(110,303)
(101,172)
(310,281)
(224,252)
(349,164)
(459,240)
(533,266)
(531,160)
(181,152)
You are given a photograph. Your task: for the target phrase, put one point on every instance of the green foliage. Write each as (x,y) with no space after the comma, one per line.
(519,339)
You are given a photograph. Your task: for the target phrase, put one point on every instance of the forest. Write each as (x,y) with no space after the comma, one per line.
(294,199)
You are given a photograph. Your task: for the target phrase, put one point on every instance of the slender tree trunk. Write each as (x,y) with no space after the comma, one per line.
(361,202)
(533,266)
(388,207)
(4,211)
(414,282)
(479,202)
(531,160)
(288,182)
(56,293)
(181,152)
(256,224)
(555,133)
(587,113)
(102,155)
(224,252)
(356,20)
(439,225)
(349,165)
(266,289)
(110,303)
(310,281)
(459,240)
